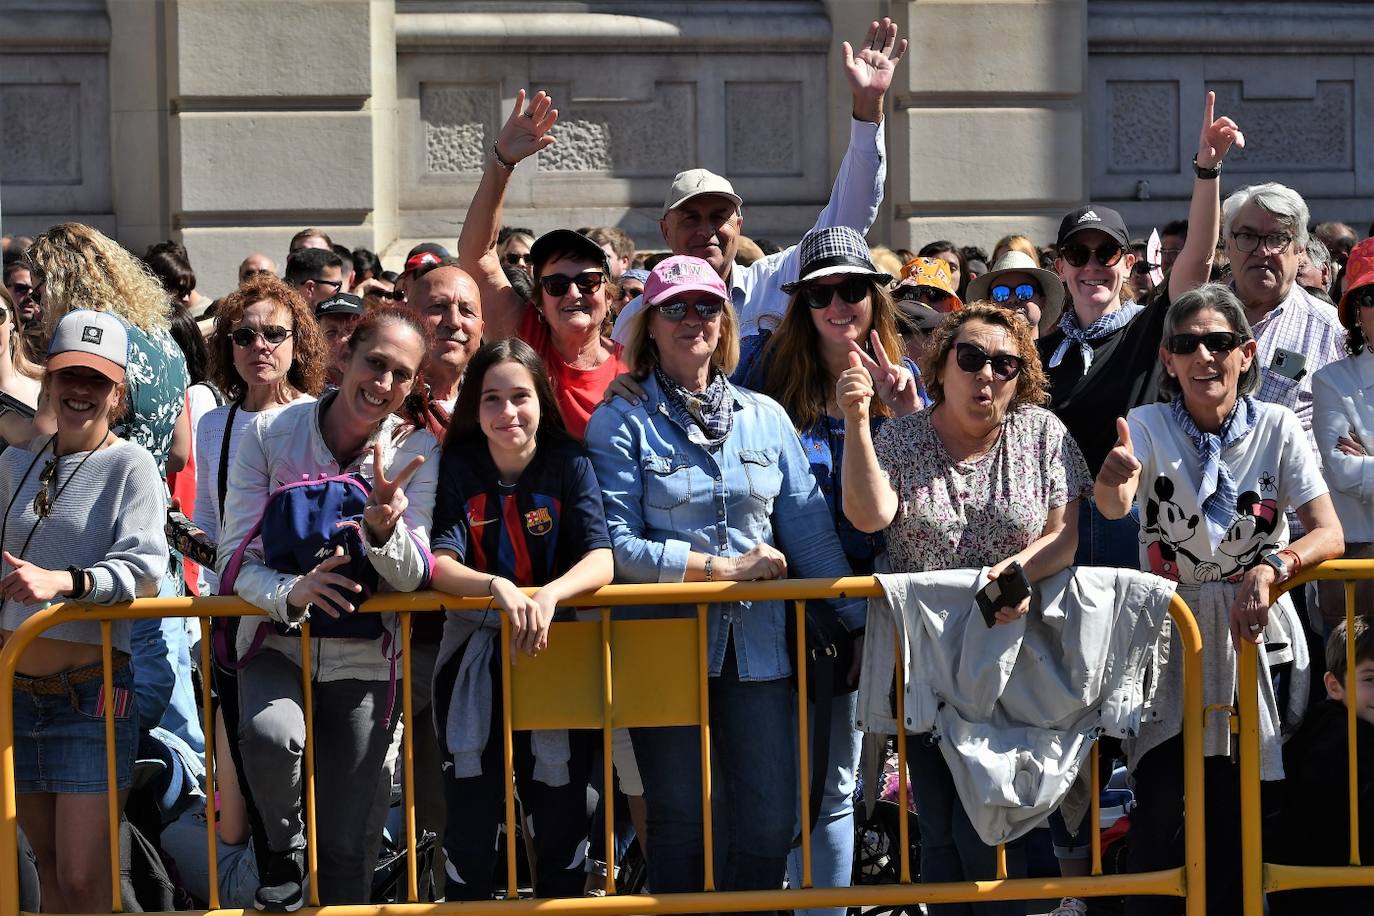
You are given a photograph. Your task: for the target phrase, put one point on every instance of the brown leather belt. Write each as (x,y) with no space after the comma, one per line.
(55,685)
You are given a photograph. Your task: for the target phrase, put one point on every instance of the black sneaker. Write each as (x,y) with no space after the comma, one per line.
(281,890)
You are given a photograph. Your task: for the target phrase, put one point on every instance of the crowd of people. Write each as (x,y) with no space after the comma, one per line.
(540,414)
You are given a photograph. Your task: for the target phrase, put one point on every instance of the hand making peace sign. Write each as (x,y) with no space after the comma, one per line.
(892,382)
(388,501)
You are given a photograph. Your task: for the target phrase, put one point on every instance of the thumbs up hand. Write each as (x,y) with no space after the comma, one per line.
(854,389)
(1121,466)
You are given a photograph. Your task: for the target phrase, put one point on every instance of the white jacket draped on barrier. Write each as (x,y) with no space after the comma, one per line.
(1015,707)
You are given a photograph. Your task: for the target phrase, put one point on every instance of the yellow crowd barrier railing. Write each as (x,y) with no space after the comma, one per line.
(1261,877)
(606,674)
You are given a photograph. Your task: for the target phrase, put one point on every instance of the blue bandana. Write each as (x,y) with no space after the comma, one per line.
(1102,327)
(1217,491)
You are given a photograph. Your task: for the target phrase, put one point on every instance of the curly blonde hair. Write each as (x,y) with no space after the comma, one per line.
(82,268)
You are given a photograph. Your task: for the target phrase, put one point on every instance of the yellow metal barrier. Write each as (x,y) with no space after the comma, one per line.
(1261,877)
(616,674)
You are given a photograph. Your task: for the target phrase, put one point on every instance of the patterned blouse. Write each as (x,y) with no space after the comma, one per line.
(156,378)
(970,514)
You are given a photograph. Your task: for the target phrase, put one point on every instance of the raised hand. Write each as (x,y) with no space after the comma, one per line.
(388,501)
(526,131)
(892,382)
(1218,136)
(854,390)
(323,588)
(27,583)
(871,69)
(1121,465)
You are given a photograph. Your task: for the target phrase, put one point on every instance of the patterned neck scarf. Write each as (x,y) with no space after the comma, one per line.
(711,412)
(1102,327)
(1217,491)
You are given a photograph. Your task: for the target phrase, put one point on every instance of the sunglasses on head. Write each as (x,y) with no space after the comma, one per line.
(1108,253)
(972,358)
(1214,341)
(852,290)
(1021,293)
(926,295)
(273,334)
(676,311)
(587,283)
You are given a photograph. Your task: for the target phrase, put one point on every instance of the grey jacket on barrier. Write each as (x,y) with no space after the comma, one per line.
(1016,707)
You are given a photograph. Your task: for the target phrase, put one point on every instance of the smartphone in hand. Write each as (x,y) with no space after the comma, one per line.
(1007,590)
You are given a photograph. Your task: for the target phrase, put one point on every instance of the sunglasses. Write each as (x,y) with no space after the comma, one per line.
(926,295)
(273,334)
(676,311)
(628,292)
(587,283)
(20,290)
(335,284)
(1142,268)
(972,358)
(853,290)
(1108,253)
(1021,293)
(1364,298)
(1214,341)
(515,260)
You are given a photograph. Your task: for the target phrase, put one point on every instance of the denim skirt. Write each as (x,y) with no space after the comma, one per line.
(59,731)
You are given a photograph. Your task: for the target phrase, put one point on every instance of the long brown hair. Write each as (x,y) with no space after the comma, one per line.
(464,429)
(794,375)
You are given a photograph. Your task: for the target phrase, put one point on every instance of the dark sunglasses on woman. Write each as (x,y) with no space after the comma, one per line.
(926,295)
(852,290)
(972,358)
(273,334)
(587,283)
(1214,341)
(1108,253)
(676,311)
(1021,293)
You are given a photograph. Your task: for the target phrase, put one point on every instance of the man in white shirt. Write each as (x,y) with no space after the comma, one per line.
(702,214)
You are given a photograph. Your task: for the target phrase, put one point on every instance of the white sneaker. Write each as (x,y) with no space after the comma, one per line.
(1070,906)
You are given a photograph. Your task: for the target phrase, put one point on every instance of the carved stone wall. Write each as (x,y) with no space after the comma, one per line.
(1298,78)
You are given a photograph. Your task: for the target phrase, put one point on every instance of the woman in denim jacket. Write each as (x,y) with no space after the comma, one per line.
(693,478)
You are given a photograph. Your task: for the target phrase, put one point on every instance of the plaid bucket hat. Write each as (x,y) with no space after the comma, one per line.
(835,250)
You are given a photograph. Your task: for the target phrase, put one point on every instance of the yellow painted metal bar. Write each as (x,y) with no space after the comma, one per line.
(903,827)
(308,752)
(1301,877)
(607,754)
(1095,810)
(1251,851)
(111,780)
(704,727)
(1194,811)
(408,758)
(508,760)
(211,796)
(803,743)
(1352,773)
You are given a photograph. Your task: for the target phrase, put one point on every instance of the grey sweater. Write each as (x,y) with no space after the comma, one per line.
(109,519)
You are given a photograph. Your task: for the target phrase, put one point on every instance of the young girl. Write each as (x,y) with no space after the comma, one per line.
(518,505)
(82,520)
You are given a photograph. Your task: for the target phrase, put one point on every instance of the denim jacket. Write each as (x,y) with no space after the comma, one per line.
(665,495)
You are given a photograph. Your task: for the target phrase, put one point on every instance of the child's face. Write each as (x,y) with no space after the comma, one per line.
(509,408)
(1364,690)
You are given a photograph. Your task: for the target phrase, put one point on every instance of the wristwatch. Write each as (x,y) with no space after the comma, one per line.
(1280,567)
(1201,172)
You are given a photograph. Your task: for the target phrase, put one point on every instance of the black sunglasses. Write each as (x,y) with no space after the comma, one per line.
(1108,253)
(676,311)
(1142,268)
(587,283)
(515,260)
(336,284)
(20,290)
(1363,298)
(273,334)
(926,295)
(853,290)
(1214,341)
(1021,293)
(972,358)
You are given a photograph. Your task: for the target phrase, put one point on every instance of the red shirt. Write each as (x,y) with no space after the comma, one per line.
(577,391)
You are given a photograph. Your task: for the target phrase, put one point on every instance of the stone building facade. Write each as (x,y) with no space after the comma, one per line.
(229,124)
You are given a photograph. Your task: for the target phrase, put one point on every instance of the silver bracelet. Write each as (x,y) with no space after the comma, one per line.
(508,166)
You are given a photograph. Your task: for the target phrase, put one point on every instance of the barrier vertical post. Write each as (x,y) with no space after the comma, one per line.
(803,743)
(903,828)
(111,782)
(1095,810)
(408,759)
(308,752)
(1251,849)
(1194,827)
(1352,772)
(508,760)
(211,796)
(607,761)
(704,710)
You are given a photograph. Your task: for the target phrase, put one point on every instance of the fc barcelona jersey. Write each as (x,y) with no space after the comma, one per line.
(531,532)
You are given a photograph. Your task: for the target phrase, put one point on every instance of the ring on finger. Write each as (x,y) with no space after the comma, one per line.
(1256,627)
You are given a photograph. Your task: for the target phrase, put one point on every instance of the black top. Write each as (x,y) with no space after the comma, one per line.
(1124,374)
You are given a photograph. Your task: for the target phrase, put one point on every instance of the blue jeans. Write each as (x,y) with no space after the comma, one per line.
(832,842)
(951,849)
(754,787)
(1104,541)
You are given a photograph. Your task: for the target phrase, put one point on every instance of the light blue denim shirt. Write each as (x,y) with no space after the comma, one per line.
(666,495)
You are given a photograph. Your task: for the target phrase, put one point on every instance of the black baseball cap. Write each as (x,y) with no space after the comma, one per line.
(340,304)
(1094,216)
(567,240)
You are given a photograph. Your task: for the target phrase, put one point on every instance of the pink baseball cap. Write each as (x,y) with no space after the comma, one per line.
(682,274)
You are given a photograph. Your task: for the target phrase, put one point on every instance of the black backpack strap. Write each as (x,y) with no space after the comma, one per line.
(223,481)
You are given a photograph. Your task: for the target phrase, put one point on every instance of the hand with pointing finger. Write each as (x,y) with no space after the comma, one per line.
(892,382)
(388,501)
(1218,136)
(1121,465)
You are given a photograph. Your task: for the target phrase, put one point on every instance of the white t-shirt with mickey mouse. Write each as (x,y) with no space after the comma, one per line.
(1273,468)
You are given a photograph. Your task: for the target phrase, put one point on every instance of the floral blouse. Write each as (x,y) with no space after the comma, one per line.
(156,378)
(970,514)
